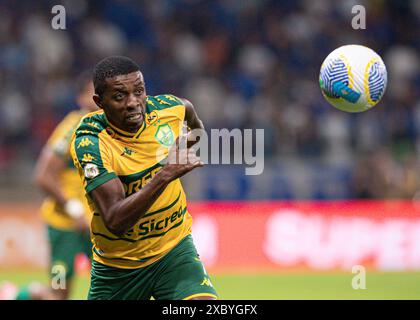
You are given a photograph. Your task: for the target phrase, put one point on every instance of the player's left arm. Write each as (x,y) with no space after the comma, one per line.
(47,175)
(194,123)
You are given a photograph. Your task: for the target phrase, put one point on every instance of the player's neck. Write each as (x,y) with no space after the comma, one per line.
(127,130)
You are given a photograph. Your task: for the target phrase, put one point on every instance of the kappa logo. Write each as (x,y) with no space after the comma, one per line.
(93,124)
(87,157)
(150,102)
(206,282)
(127,152)
(85,132)
(164,135)
(85,142)
(171,98)
(161,101)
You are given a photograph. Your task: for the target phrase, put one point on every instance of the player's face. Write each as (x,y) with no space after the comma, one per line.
(124,101)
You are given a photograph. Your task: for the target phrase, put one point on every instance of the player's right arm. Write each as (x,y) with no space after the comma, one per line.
(47,173)
(120,213)
(50,166)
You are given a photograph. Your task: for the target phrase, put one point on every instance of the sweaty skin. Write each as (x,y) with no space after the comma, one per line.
(124,103)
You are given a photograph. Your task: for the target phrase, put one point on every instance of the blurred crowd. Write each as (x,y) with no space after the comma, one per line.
(244,64)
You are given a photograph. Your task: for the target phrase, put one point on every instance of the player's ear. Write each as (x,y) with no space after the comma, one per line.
(97,100)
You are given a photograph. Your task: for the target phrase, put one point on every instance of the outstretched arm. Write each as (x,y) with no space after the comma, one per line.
(120,213)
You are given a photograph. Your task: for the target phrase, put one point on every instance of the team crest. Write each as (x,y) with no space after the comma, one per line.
(164,135)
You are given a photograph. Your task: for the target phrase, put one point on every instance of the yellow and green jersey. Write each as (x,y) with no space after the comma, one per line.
(103,152)
(69,181)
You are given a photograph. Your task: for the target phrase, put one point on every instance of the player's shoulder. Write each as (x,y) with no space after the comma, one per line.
(65,128)
(92,124)
(163,101)
(72,117)
(69,121)
(85,140)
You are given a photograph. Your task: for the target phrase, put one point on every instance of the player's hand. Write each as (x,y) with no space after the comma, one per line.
(75,209)
(181,159)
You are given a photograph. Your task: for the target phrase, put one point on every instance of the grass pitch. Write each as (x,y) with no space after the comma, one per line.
(379,285)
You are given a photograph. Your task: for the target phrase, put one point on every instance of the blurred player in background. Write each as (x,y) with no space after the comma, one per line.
(65,210)
(141,228)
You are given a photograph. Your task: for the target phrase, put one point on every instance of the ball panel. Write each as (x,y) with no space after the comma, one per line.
(333,71)
(376,81)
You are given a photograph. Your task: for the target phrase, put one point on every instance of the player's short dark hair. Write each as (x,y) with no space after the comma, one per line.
(110,67)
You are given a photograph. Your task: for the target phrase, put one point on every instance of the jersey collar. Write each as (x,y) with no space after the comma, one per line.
(126,134)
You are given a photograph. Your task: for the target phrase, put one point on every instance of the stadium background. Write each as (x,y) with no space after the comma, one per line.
(337,190)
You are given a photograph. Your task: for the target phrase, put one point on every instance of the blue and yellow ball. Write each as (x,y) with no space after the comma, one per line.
(353,78)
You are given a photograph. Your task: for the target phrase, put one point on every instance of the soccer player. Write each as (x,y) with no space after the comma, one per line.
(65,209)
(141,227)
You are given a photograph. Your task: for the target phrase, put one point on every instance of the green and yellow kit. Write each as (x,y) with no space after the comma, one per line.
(69,181)
(156,257)
(65,242)
(103,152)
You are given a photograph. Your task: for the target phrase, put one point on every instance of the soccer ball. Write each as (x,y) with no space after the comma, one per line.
(353,78)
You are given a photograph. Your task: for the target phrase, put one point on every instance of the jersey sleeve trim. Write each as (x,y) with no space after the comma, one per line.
(92,155)
(93,184)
